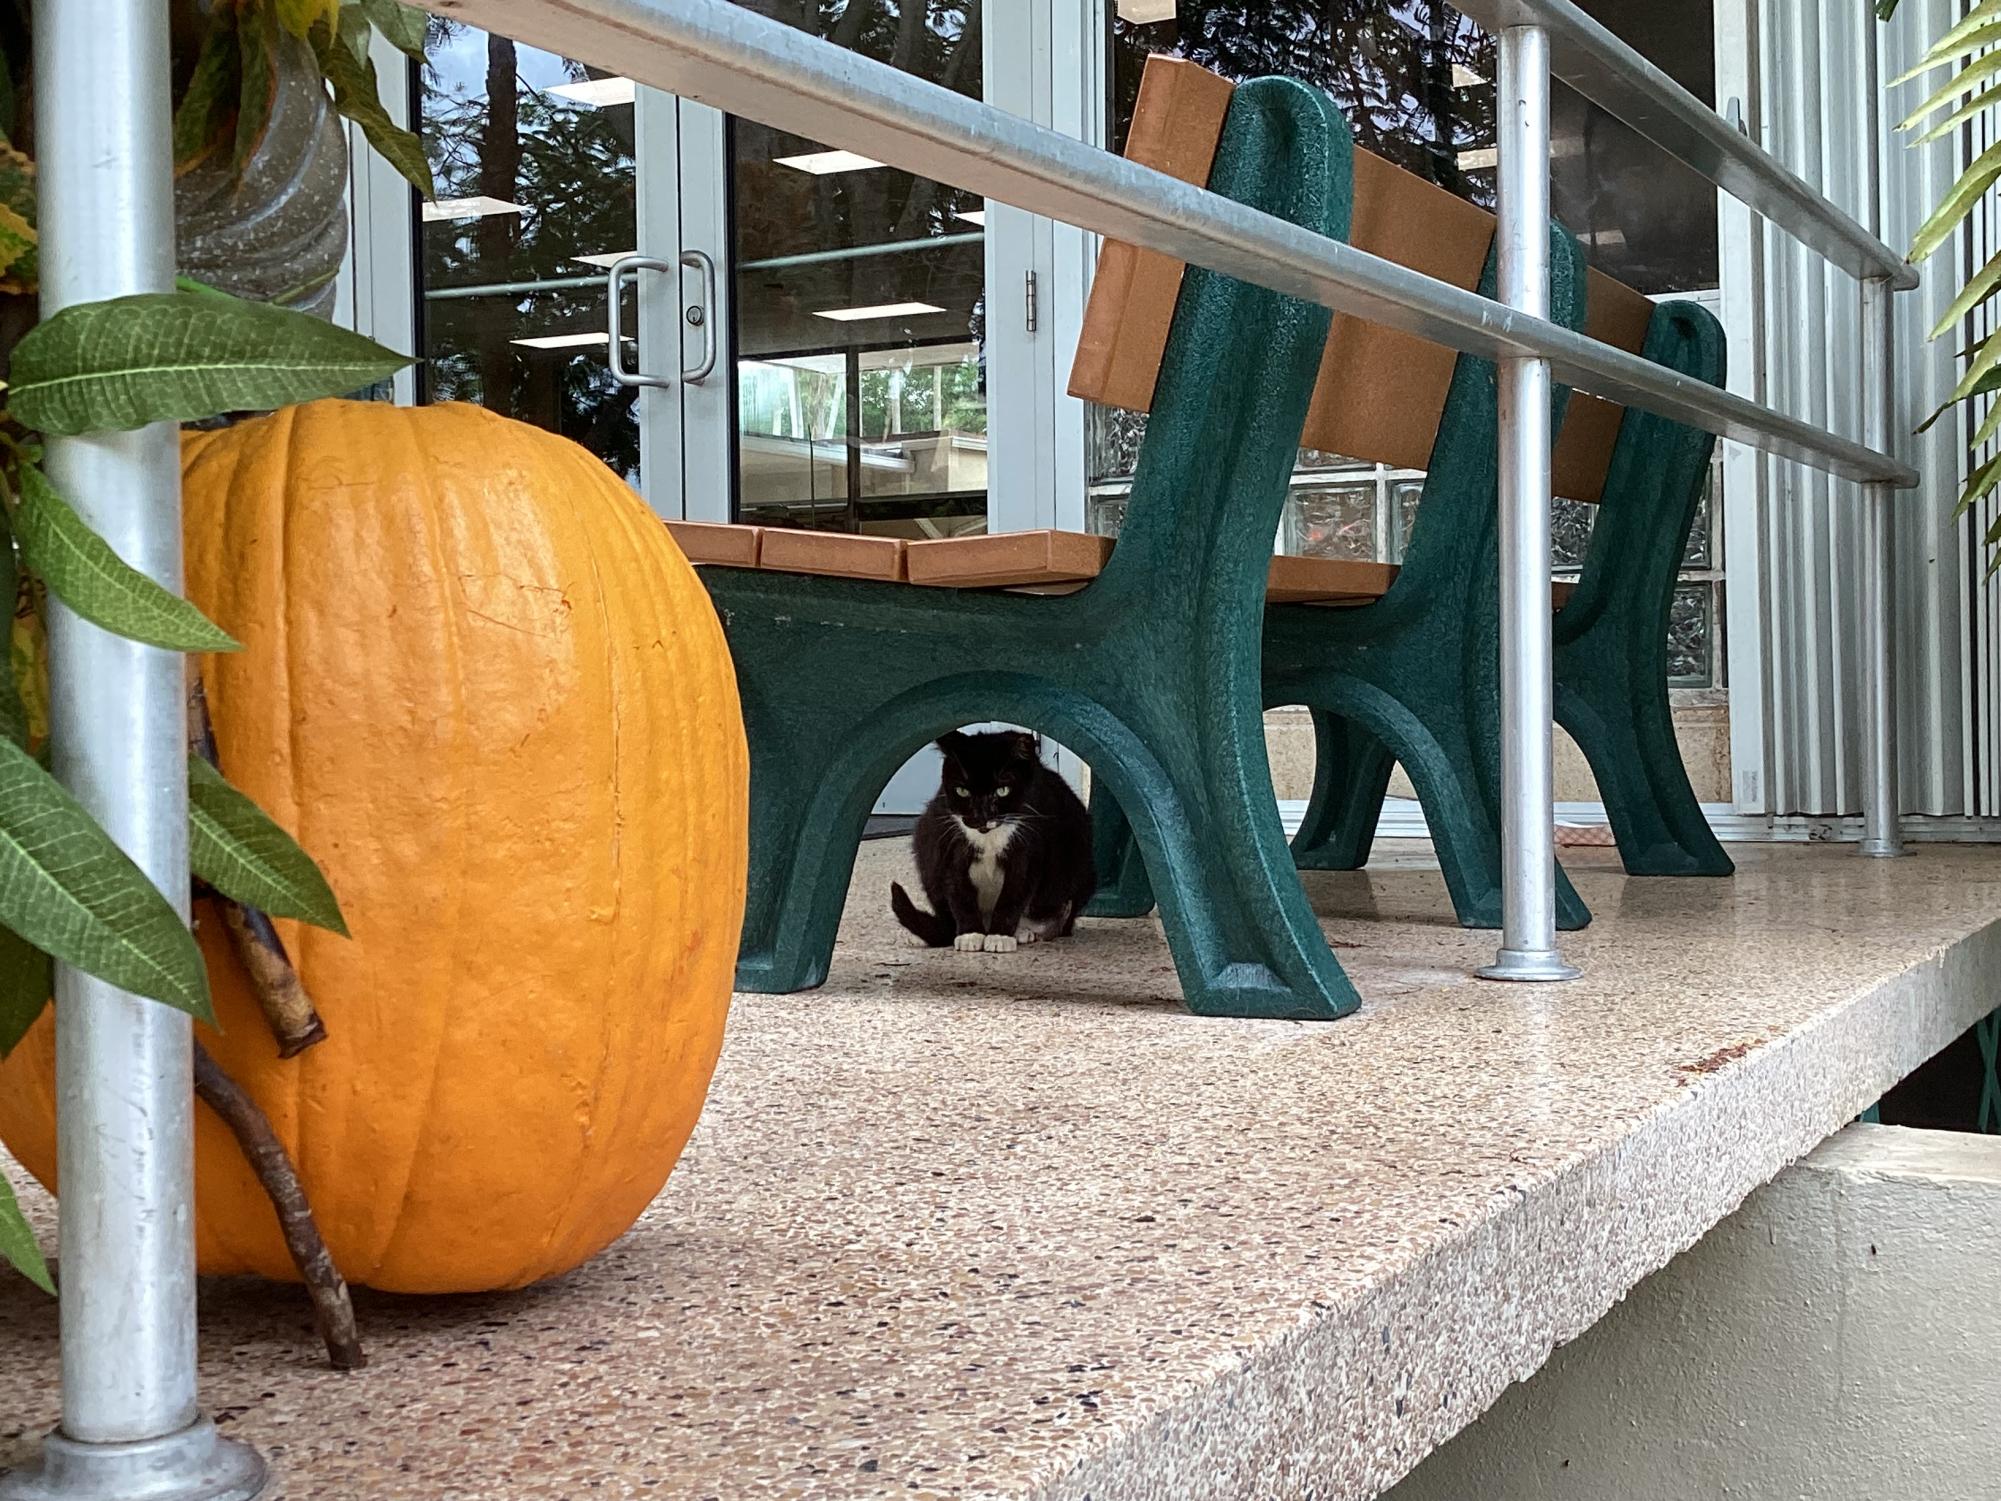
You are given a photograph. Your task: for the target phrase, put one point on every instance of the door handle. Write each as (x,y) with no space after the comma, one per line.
(702,315)
(614,281)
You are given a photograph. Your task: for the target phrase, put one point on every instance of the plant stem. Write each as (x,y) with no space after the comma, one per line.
(282,996)
(333,1310)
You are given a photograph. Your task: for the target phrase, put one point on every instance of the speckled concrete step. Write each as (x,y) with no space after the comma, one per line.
(1018,1226)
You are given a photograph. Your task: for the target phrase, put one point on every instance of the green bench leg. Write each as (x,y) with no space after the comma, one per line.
(1455,772)
(1123,887)
(1351,780)
(1611,639)
(1151,673)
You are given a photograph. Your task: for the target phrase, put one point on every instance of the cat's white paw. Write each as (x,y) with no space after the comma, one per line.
(970,943)
(1000,943)
(1026,936)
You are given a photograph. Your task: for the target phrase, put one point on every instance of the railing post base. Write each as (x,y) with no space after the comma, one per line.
(1528,966)
(196,1464)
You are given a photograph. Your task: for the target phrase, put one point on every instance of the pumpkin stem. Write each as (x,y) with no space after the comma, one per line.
(280,993)
(333,1310)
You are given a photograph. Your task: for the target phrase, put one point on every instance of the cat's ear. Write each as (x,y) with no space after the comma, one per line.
(1023,746)
(953,743)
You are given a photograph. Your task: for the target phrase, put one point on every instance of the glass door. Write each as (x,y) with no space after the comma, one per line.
(858,298)
(536,160)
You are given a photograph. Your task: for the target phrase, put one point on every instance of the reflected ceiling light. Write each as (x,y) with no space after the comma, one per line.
(479,206)
(820,163)
(604,258)
(599,93)
(564,341)
(878,310)
(972,216)
(1481,160)
(1464,77)
(1146,12)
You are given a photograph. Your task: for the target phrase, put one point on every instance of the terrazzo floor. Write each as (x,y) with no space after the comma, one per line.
(1018,1226)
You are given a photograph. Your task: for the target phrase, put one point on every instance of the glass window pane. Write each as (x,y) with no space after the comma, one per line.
(1691,652)
(535,176)
(1331,521)
(1570,524)
(860,306)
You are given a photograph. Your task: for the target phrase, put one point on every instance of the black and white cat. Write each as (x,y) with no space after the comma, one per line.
(1003,850)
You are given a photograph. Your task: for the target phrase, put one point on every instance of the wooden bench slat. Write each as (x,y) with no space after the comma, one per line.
(847,555)
(1308,581)
(1034,562)
(716,542)
(1008,560)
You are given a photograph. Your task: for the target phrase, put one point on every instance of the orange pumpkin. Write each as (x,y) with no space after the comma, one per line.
(481,685)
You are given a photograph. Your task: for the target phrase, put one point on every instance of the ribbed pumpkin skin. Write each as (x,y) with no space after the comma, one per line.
(485,690)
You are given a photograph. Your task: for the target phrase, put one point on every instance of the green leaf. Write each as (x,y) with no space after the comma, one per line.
(1967,111)
(402,26)
(1986,361)
(1978,16)
(181,356)
(1959,202)
(1978,484)
(17,210)
(1977,290)
(1966,81)
(68,890)
(83,572)
(1885,9)
(300,16)
(238,849)
(257,48)
(17,241)
(1987,385)
(13,712)
(202,289)
(28,664)
(17,1241)
(212,90)
(358,96)
(1960,42)
(27,979)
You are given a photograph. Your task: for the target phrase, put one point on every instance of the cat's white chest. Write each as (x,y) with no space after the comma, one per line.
(987,875)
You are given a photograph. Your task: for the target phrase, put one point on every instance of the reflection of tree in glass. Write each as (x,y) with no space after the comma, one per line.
(781,212)
(1388,65)
(571,169)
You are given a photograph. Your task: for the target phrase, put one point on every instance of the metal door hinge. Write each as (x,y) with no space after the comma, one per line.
(1031,302)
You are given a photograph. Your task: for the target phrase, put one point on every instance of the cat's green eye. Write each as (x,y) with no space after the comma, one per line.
(1003,790)
(962,791)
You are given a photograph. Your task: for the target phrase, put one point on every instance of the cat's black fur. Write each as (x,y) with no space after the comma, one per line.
(1004,822)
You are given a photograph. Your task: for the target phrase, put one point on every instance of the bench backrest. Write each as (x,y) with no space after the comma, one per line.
(1237,365)
(1380,394)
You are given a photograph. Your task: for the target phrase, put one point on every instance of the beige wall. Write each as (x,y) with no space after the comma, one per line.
(1702,728)
(1837,1339)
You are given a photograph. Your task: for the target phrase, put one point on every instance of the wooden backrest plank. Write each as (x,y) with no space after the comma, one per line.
(1380,394)
(1177,126)
(1617,315)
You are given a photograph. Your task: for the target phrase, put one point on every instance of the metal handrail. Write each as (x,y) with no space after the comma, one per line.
(746,64)
(1624,84)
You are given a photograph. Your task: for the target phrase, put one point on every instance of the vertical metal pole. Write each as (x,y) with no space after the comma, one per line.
(130,1424)
(1528,790)
(1881,834)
